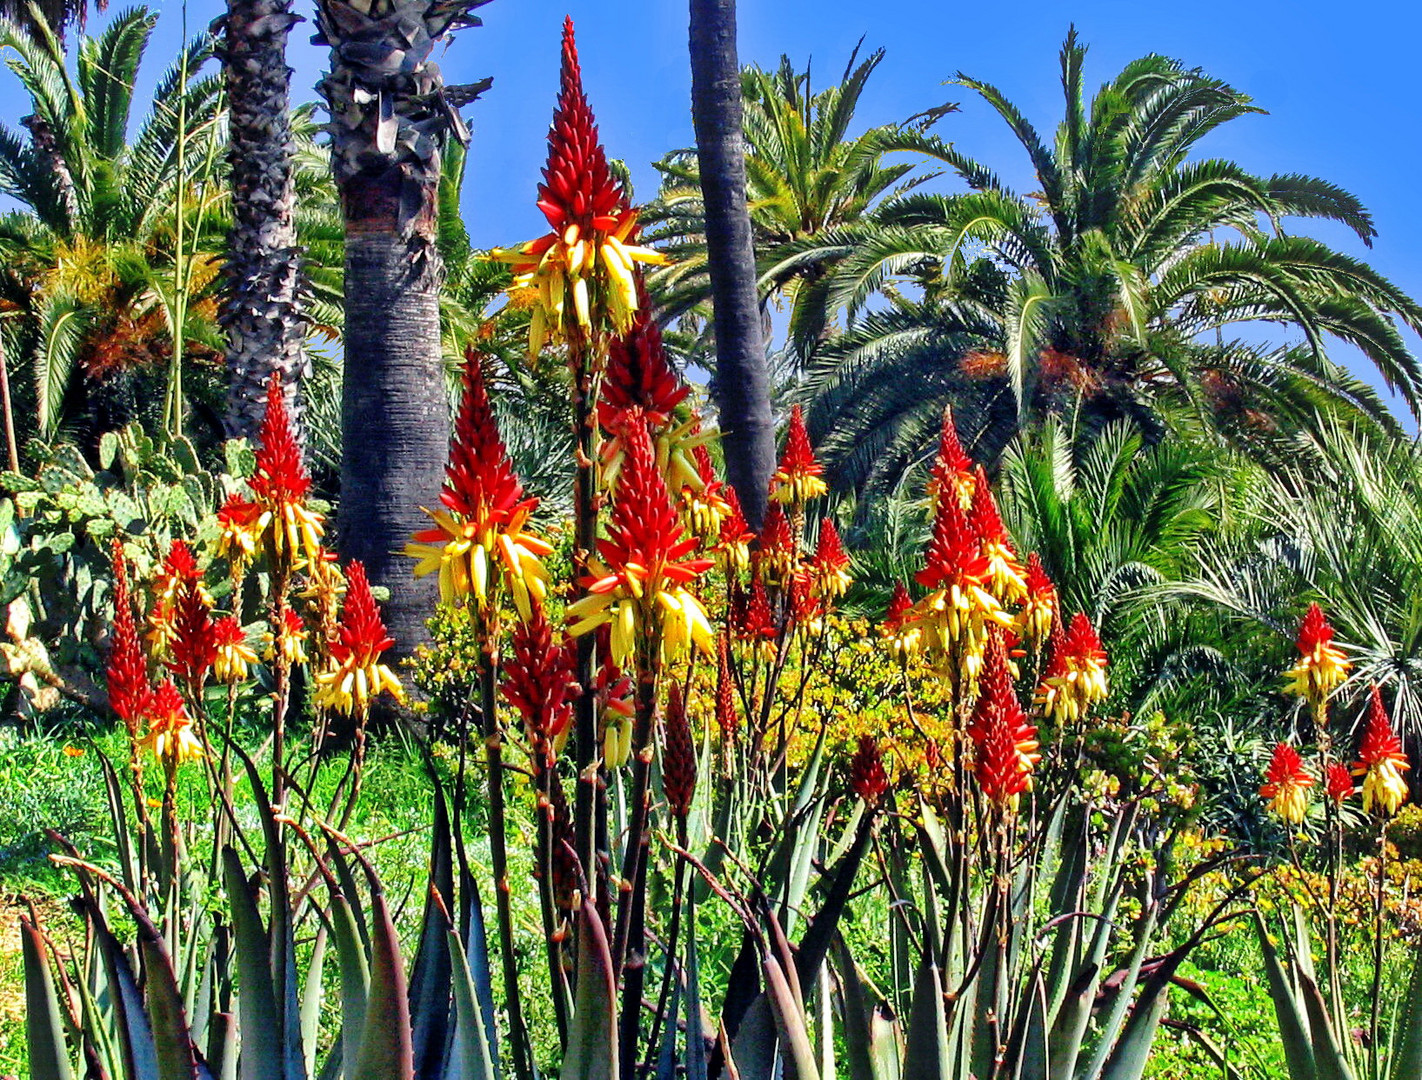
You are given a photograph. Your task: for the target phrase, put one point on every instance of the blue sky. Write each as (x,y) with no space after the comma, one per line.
(1338,82)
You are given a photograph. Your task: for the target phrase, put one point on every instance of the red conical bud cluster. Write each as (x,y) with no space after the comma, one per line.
(952,469)
(900,604)
(983,517)
(867,777)
(954,554)
(540,682)
(727,718)
(758,621)
(705,467)
(1314,632)
(480,484)
(678,755)
(1004,744)
(798,476)
(280,478)
(129,690)
(830,556)
(362,636)
(777,544)
(1339,782)
(194,646)
(577,188)
(638,374)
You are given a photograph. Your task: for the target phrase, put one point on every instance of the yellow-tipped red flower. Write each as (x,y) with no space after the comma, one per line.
(829,569)
(540,682)
(129,689)
(734,540)
(481,536)
(357,676)
(580,277)
(1381,762)
(900,627)
(276,517)
(1321,666)
(1075,678)
(1007,579)
(639,577)
(799,476)
(1004,744)
(234,657)
(776,556)
(1039,608)
(170,729)
(704,507)
(952,468)
(1286,784)
(1339,782)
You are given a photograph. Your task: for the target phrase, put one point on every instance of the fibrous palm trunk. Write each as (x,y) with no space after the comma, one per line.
(261,306)
(742,383)
(390,118)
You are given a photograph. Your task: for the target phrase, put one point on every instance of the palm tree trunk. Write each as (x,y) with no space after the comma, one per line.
(261,308)
(391,118)
(742,384)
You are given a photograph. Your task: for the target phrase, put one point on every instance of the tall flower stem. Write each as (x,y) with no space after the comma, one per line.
(1375,1028)
(498,844)
(545,776)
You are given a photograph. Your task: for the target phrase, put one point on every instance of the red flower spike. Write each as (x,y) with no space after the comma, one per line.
(1381,761)
(540,682)
(362,635)
(280,477)
(1339,782)
(479,481)
(1286,784)
(797,478)
(867,777)
(758,622)
(952,469)
(194,646)
(727,718)
(129,689)
(705,467)
(900,604)
(678,755)
(577,188)
(983,517)
(1314,631)
(638,374)
(777,545)
(1004,744)
(830,556)
(954,554)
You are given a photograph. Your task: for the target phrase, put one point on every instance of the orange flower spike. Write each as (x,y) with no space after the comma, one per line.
(831,562)
(1321,666)
(280,485)
(867,777)
(127,674)
(1005,748)
(1075,678)
(1006,576)
(1286,784)
(1039,607)
(481,538)
(640,574)
(951,468)
(170,729)
(587,255)
(799,476)
(900,628)
(1338,782)
(357,676)
(1381,761)
(539,681)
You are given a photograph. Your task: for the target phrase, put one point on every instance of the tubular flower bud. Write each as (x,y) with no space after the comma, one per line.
(952,469)
(276,516)
(1286,784)
(1339,782)
(830,565)
(581,276)
(728,719)
(357,676)
(1381,762)
(170,728)
(757,623)
(678,755)
(289,642)
(481,538)
(194,642)
(1075,678)
(178,567)
(900,627)
(805,609)
(959,611)
(1006,578)
(733,542)
(1039,608)
(867,777)
(539,681)
(616,709)
(1321,666)
(705,508)
(640,574)
(776,554)
(234,657)
(129,691)
(799,477)
(1004,744)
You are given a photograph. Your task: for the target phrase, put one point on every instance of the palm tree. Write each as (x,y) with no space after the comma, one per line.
(55,15)
(261,302)
(92,268)
(391,116)
(742,385)
(1115,289)
(805,176)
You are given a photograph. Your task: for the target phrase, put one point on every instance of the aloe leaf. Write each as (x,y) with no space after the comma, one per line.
(886,1042)
(476,955)
(386,1051)
(44,1030)
(822,929)
(355,974)
(471,1046)
(926,1049)
(789,1022)
(256,1004)
(695,1034)
(1407,1060)
(137,1048)
(1293,1030)
(1328,1060)
(172,1040)
(592,1038)
(311,1000)
(858,1040)
(666,1055)
(756,1042)
(433,968)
